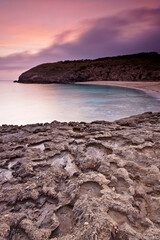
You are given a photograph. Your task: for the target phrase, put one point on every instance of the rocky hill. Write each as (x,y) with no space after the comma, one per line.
(137,67)
(81,181)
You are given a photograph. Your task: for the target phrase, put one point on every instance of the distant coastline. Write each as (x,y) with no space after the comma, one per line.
(143,67)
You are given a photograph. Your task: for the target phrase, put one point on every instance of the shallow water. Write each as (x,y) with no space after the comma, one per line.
(33,103)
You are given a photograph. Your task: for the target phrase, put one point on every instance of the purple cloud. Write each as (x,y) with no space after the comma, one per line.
(128,32)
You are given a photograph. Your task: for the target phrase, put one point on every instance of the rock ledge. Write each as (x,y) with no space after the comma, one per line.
(81,181)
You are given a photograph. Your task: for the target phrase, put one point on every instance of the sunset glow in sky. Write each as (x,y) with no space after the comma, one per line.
(38,31)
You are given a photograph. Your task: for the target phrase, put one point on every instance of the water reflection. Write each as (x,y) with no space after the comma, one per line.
(23,104)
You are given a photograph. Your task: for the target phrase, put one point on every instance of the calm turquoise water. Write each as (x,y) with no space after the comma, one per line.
(23,104)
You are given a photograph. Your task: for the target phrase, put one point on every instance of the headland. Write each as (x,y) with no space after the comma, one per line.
(137,67)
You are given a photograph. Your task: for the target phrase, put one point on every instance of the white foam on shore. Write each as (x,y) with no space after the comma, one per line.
(152,93)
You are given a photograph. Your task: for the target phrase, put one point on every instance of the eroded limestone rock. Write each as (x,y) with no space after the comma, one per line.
(81,181)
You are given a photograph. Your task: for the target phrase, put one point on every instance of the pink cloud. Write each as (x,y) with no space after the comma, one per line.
(127,32)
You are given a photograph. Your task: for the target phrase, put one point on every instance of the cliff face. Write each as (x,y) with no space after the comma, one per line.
(81,181)
(137,67)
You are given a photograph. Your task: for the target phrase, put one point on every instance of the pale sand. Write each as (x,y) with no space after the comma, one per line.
(152,88)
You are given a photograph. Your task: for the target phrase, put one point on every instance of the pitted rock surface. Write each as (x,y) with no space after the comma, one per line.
(81,181)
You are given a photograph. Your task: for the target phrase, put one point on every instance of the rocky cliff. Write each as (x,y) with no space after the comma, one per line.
(81,181)
(137,67)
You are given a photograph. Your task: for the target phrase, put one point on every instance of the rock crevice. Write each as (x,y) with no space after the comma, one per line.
(103,185)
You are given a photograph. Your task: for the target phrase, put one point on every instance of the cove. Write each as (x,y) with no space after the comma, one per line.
(39,103)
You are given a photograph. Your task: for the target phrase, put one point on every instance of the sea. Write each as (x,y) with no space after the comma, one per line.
(40,103)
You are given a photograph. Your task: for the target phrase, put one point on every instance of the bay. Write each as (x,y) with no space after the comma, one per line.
(39,103)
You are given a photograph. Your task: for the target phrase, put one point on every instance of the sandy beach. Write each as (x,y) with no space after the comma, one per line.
(152,88)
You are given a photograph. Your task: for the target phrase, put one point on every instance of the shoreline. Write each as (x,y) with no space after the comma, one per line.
(145,87)
(151,88)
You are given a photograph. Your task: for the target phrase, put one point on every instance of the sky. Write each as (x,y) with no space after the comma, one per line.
(40,31)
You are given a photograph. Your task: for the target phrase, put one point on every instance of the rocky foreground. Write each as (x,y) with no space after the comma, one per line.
(81,181)
(136,67)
